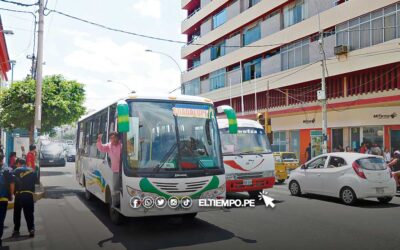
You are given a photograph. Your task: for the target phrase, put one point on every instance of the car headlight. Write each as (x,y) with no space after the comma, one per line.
(230,177)
(137,193)
(217,193)
(269,173)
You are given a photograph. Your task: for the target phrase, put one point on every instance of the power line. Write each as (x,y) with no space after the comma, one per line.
(149,36)
(20,4)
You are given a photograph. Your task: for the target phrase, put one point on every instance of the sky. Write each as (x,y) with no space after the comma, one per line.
(104,61)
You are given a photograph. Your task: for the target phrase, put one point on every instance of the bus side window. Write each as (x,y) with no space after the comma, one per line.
(93,136)
(111,120)
(86,138)
(102,130)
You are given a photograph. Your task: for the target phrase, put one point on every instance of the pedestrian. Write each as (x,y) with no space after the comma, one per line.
(375,150)
(394,164)
(348,149)
(11,159)
(6,194)
(363,148)
(24,178)
(386,155)
(31,157)
(113,148)
(308,152)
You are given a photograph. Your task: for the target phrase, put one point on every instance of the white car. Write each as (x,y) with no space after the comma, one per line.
(349,176)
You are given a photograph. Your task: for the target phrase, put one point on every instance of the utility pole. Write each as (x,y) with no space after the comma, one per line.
(322,95)
(39,72)
(12,62)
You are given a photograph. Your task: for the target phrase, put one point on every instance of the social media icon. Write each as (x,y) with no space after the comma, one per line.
(135,202)
(186,202)
(161,202)
(148,202)
(173,202)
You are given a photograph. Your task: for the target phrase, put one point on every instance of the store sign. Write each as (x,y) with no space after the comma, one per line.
(308,121)
(385,116)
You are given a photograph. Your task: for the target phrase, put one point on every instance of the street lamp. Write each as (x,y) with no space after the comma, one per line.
(12,62)
(123,84)
(177,64)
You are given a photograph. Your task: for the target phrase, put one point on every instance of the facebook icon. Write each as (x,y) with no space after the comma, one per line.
(135,202)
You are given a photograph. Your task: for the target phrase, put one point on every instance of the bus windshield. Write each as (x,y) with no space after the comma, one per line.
(246,141)
(171,137)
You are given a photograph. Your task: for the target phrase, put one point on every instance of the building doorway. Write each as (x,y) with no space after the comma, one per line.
(394,140)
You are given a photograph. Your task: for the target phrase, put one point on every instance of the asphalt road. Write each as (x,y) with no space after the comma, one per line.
(65,220)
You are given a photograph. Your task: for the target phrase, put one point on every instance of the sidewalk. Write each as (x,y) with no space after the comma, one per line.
(39,194)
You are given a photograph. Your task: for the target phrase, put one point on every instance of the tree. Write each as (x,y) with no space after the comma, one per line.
(62,103)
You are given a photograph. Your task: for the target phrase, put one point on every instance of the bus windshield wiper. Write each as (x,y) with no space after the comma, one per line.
(165,158)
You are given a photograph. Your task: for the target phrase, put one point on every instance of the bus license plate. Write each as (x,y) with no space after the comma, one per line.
(380,190)
(247,182)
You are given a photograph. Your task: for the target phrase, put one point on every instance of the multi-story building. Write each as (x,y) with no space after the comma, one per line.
(4,68)
(266,56)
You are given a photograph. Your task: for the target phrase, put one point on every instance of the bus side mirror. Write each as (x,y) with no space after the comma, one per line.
(231,115)
(123,117)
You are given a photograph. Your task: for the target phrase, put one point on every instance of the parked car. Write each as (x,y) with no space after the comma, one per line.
(71,152)
(349,176)
(52,154)
(285,162)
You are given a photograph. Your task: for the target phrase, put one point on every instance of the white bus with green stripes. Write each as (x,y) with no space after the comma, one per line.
(171,156)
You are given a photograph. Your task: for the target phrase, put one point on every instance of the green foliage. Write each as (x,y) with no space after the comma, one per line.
(62,103)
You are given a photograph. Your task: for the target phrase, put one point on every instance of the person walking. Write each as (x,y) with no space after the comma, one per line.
(394,164)
(6,193)
(24,190)
(386,155)
(31,158)
(11,160)
(308,152)
(113,149)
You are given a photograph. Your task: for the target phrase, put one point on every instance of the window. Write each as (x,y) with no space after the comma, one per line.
(93,134)
(372,163)
(295,54)
(217,50)
(294,13)
(103,130)
(373,135)
(251,35)
(253,2)
(370,29)
(279,141)
(219,19)
(217,79)
(192,87)
(336,162)
(252,69)
(317,163)
(86,142)
(196,62)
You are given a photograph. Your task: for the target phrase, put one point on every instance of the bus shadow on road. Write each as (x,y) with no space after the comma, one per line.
(158,232)
(242,197)
(360,203)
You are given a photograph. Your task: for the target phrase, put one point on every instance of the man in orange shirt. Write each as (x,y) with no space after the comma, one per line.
(31,157)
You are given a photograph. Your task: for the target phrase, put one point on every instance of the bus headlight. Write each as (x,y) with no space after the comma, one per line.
(230,177)
(217,193)
(138,193)
(269,173)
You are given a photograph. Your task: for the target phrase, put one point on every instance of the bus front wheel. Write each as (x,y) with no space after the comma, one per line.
(88,195)
(115,216)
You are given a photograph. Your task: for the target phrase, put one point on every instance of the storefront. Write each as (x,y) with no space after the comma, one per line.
(350,127)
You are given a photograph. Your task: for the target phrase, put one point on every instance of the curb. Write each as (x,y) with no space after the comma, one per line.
(39,194)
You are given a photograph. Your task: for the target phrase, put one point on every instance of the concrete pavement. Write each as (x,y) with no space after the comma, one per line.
(65,220)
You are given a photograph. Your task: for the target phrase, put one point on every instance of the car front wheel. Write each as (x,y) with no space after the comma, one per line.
(294,188)
(348,196)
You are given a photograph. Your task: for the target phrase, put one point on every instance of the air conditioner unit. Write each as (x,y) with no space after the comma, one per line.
(341,50)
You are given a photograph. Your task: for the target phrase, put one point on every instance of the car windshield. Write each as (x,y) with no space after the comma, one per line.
(155,127)
(289,157)
(52,148)
(246,141)
(372,163)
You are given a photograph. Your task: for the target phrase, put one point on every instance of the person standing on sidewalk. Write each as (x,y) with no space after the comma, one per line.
(113,149)
(24,190)
(6,193)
